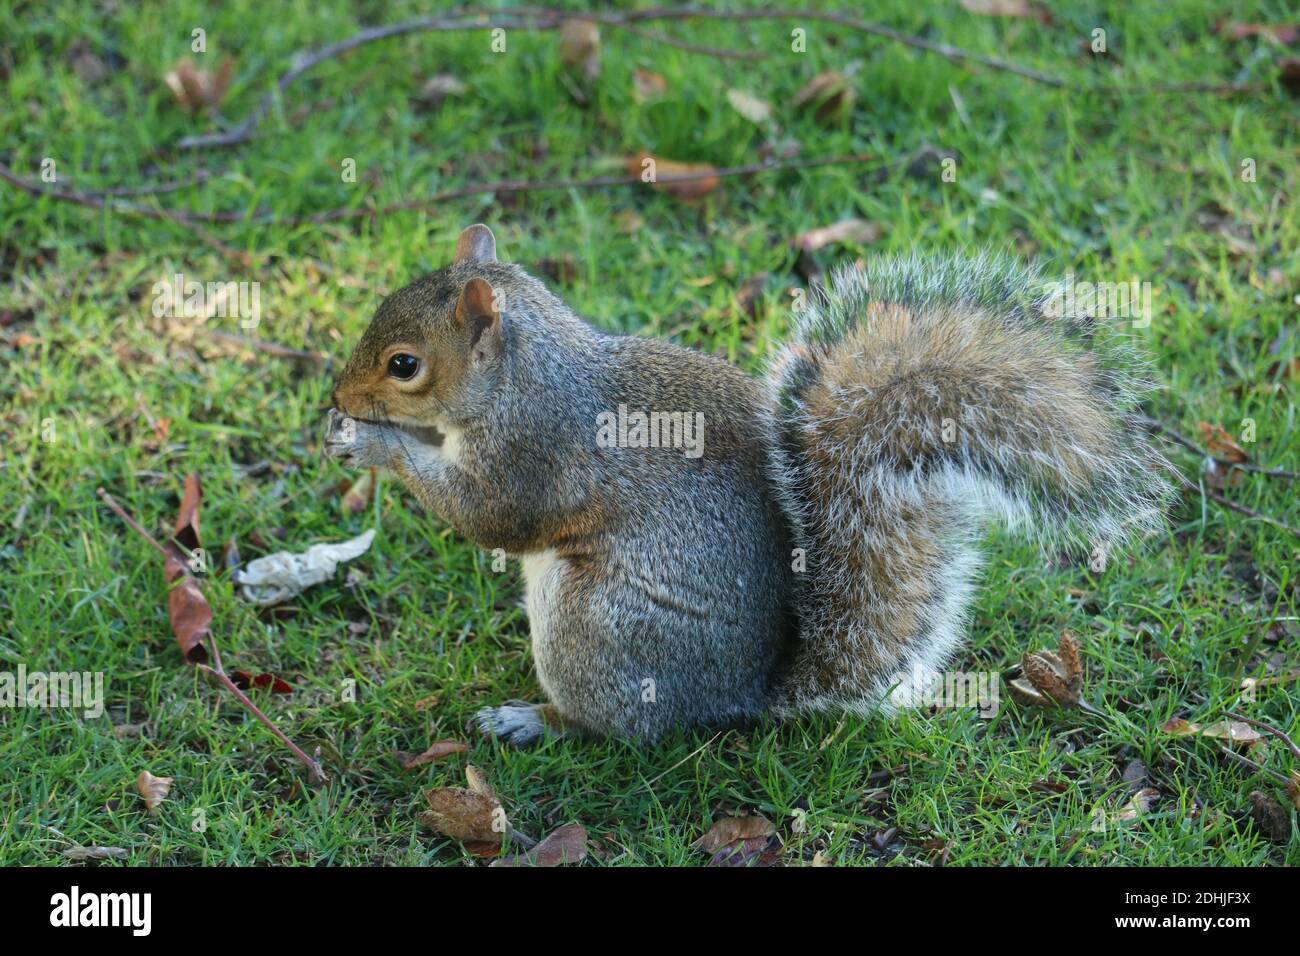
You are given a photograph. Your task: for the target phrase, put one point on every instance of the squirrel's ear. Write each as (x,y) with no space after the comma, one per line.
(476,244)
(480,320)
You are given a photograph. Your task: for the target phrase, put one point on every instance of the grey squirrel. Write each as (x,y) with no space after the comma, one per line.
(802,543)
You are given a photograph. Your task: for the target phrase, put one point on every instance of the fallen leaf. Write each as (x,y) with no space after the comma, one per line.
(660,172)
(1141,803)
(829,95)
(360,493)
(81,853)
(278,577)
(443,748)
(187,609)
(647,85)
(750,106)
(734,841)
(195,89)
(855,231)
(566,844)
(580,47)
(1232,730)
(1293,788)
(1022,9)
(1050,678)
(438,88)
(244,680)
(1288,69)
(465,815)
(1220,443)
(478,781)
(153,789)
(1272,819)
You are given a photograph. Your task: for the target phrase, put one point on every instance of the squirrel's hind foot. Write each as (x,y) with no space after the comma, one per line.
(516,723)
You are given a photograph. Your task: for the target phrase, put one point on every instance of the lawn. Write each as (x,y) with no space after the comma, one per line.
(1192,192)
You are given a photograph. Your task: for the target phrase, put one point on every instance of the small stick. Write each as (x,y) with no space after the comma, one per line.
(1275,731)
(1254,766)
(317,774)
(473,189)
(1169,432)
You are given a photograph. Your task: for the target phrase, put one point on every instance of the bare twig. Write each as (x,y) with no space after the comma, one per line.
(1235,506)
(1228,751)
(1269,728)
(313,765)
(1173,435)
(544,18)
(334,215)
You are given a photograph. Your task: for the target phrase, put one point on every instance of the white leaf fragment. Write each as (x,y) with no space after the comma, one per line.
(278,577)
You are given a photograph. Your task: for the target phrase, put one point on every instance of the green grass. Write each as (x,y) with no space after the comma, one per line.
(1109,188)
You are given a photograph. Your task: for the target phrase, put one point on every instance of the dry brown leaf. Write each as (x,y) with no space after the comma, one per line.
(566,844)
(580,47)
(465,815)
(1220,443)
(1141,803)
(1293,788)
(440,749)
(1271,818)
(187,608)
(438,88)
(195,89)
(730,829)
(153,789)
(855,231)
(1050,677)
(361,492)
(748,105)
(829,95)
(647,85)
(1231,730)
(703,178)
(1021,9)
(1288,69)
(478,781)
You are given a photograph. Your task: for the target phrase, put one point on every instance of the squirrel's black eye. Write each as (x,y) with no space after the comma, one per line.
(403,366)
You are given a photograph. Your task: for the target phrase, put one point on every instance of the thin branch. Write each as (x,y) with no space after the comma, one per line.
(1233,505)
(313,765)
(1277,777)
(189,219)
(317,774)
(1169,432)
(1269,728)
(544,18)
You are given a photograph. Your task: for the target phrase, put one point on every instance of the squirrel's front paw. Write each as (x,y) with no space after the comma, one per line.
(516,723)
(352,442)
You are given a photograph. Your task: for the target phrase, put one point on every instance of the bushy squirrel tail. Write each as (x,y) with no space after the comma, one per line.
(916,399)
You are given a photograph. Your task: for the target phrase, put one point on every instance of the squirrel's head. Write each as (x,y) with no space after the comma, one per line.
(434,350)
